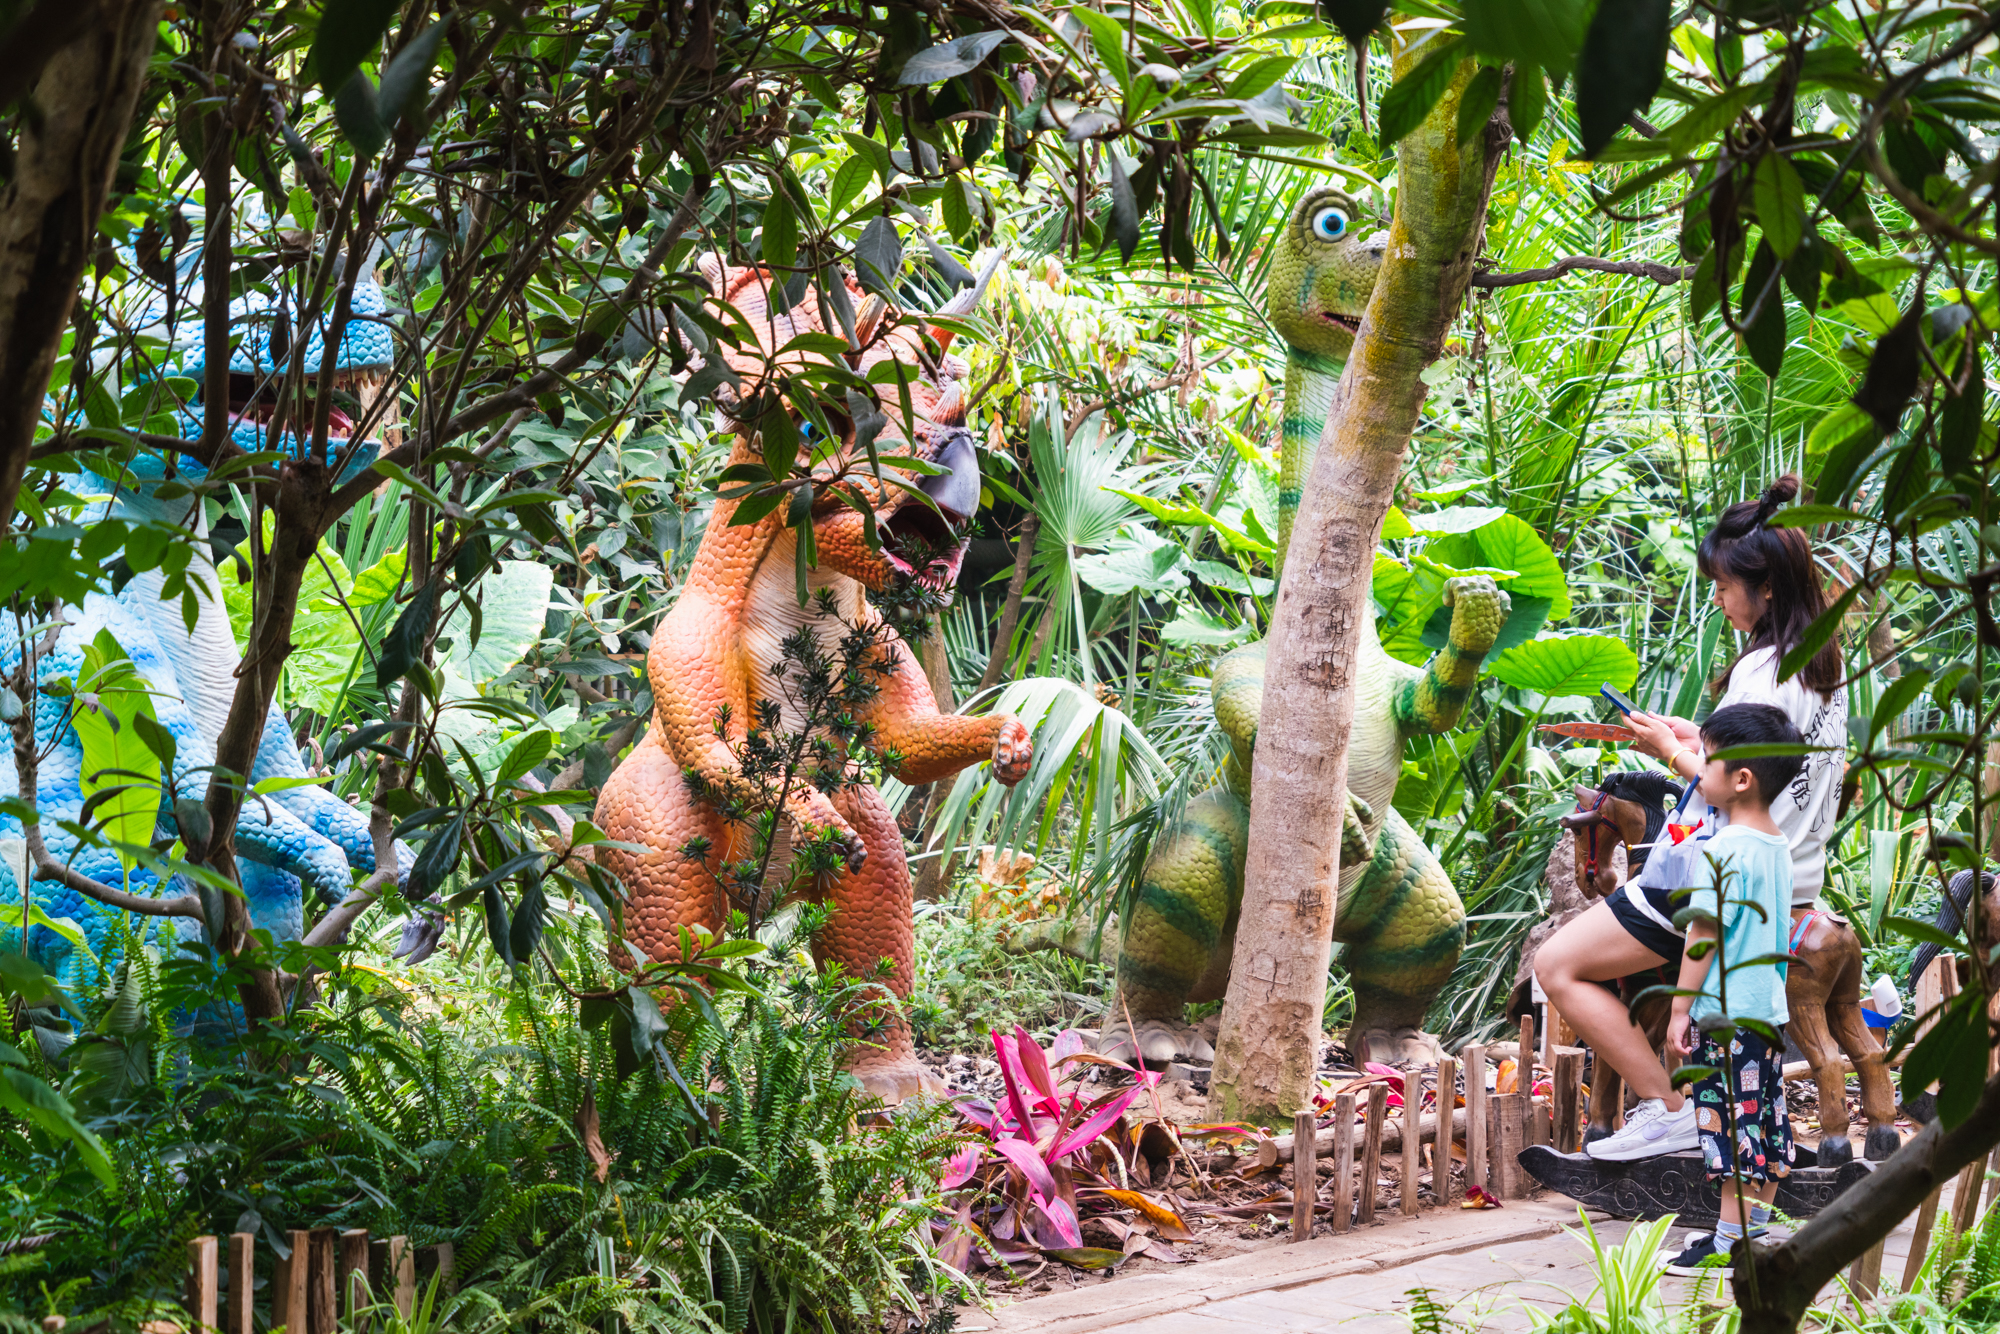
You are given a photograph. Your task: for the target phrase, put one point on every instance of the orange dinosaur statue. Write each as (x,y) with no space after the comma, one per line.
(712,657)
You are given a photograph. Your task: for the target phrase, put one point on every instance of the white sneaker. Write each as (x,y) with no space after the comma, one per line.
(1650,1130)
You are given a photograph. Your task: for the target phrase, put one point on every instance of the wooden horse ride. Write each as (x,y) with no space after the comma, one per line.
(1822,990)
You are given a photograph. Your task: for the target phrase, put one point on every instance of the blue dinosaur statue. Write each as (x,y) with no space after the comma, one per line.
(286,841)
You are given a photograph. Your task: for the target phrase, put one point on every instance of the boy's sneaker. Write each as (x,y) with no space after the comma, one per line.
(1650,1130)
(1703,1253)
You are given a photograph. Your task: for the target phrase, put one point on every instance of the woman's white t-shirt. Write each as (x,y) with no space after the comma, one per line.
(1805,811)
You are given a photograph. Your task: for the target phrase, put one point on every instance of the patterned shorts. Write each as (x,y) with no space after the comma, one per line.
(1763,1144)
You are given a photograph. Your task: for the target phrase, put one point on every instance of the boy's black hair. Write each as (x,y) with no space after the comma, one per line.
(1756,725)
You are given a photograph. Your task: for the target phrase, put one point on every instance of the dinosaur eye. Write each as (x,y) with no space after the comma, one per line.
(1329,224)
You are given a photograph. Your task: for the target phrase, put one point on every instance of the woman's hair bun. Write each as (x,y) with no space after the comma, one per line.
(1780,493)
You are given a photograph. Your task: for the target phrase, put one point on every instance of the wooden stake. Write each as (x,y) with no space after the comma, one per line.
(447,1265)
(1371,1152)
(242,1281)
(1305,1173)
(201,1289)
(322,1285)
(401,1274)
(1343,1162)
(288,1284)
(1447,1099)
(1864,1277)
(354,1286)
(1524,1066)
(1567,1100)
(1920,1238)
(1509,1131)
(1475,1117)
(1413,1099)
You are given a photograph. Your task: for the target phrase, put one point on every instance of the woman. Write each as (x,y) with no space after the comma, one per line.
(1768,588)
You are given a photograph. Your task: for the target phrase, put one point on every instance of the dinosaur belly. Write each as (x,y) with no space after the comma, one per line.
(772,615)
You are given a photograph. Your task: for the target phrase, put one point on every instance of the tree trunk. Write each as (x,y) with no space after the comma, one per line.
(49,210)
(1790,1275)
(1010,606)
(1268,1049)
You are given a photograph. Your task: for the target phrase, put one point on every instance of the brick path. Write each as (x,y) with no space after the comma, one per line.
(1492,1264)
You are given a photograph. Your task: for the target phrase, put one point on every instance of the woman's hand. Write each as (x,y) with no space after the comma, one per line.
(1680,1035)
(1661,736)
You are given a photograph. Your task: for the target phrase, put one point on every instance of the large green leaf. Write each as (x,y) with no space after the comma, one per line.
(513,609)
(115,755)
(1509,542)
(324,633)
(1573,664)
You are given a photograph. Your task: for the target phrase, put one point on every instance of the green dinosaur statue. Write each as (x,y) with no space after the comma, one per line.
(1399,917)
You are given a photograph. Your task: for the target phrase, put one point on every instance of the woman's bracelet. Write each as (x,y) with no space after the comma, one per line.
(1674,763)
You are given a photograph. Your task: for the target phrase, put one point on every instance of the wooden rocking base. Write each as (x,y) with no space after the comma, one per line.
(1677,1184)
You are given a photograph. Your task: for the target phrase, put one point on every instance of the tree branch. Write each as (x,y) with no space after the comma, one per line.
(1790,1275)
(1663,274)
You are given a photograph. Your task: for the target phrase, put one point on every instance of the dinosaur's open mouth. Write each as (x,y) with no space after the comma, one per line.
(1351,323)
(253,398)
(925,545)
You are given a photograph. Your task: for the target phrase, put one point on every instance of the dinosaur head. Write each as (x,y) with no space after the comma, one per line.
(1322,274)
(922,537)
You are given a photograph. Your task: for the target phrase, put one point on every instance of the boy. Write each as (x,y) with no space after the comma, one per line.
(1745,883)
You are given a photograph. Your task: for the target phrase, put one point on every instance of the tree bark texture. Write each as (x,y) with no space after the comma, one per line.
(1268,1050)
(49,210)
(1791,1274)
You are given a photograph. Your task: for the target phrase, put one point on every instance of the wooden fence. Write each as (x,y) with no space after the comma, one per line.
(330,1274)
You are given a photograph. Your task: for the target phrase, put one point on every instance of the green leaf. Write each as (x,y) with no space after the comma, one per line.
(1843,424)
(32,1100)
(1261,76)
(1509,543)
(1780,200)
(1823,628)
(350,31)
(1963,416)
(1124,220)
(948,60)
(1546,33)
(1477,104)
(1109,39)
(524,934)
(403,649)
(113,748)
(1764,337)
(849,181)
(1411,97)
(1624,59)
(528,752)
(408,71)
(514,608)
(781,232)
(355,111)
(1568,664)
(497,927)
(437,860)
(1527,101)
(1709,118)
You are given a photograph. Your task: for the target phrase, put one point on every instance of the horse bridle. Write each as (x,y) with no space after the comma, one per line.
(1594,810)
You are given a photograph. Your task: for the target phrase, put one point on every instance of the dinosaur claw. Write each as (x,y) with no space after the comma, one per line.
(1013,751)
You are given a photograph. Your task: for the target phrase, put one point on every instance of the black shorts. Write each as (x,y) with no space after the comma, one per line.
(1642,926)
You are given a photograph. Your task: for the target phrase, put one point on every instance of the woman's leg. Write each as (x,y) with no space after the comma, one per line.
(1597,948)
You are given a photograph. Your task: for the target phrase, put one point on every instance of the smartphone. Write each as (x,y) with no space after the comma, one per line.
(1617,698)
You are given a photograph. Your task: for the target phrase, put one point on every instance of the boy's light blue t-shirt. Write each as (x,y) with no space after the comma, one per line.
(1758,868)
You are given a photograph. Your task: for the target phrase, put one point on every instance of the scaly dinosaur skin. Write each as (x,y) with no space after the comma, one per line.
(714,651)
(1398,916)
(286,842)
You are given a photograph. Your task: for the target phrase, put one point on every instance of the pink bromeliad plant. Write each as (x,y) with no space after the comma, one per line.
(1045,1153)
